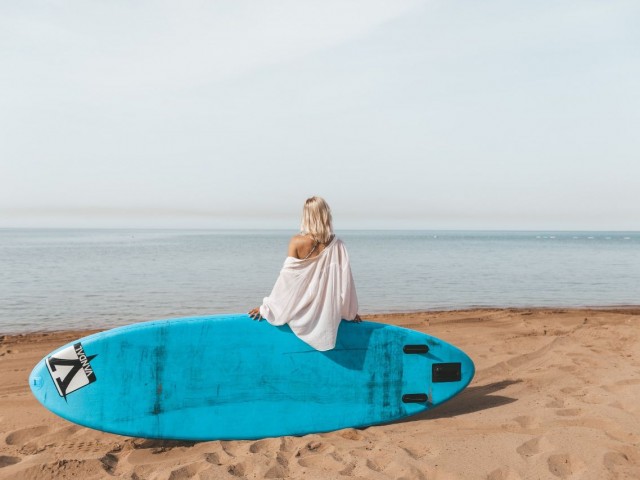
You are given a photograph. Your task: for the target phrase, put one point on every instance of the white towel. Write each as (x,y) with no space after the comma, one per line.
(313,296)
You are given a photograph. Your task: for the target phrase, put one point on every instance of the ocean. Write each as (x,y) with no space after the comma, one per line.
(70,279)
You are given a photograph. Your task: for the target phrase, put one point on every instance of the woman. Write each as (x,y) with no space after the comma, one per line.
(315,288)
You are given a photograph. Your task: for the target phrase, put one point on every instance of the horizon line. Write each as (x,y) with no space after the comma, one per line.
(378,229)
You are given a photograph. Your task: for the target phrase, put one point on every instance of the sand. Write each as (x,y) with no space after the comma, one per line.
(556,396)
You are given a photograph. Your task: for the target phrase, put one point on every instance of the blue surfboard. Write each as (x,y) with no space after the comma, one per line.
(230,377)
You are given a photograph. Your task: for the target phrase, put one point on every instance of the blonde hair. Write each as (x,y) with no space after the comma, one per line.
(316,219)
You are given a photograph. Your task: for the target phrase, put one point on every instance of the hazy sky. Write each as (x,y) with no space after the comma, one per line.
(402,114)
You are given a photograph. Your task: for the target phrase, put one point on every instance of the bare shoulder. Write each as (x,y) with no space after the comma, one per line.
(299,243)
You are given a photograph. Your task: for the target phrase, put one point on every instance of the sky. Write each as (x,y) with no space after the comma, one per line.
(402,114)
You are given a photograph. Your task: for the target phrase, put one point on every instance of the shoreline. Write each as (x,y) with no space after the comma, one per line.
(630,308)
(555,396)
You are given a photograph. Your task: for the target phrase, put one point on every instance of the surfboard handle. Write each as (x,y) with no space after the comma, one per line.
(415,398)
(415,349)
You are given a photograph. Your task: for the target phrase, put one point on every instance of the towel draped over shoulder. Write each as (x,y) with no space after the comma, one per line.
(313,295)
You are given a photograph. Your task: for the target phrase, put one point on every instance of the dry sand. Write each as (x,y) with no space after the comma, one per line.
(556,395)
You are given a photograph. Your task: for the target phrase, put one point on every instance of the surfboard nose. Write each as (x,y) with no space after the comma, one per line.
(37,382)
(35,379)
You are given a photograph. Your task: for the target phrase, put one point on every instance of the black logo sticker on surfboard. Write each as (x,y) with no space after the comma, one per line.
(71,369)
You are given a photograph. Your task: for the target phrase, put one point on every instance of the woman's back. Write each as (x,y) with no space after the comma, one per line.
(305,246)
(315,288)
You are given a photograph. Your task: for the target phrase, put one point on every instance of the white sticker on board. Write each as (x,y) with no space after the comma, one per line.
(71,369)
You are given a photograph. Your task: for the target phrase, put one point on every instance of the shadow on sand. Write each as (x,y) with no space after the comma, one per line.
(472,399)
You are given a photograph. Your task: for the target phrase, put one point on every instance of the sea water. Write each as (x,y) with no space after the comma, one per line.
(62,279)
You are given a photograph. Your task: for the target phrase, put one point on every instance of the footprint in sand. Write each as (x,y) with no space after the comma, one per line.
(237,470)
(267,445)
(621,385)
(504,473)
(568,412)
(64,468)
(565,465)
(613,460)
(242,470)
(330,461)
(24,435)
(281,448)
(315,447)
(160,446)
(109,463)
(401,470)
(317,453)
(534,446)
(372,464)
(348,470)
(630,381)
(555,403)
(570,390)
(351,434)
(35,439)
(277,471)
(6,460)
(527,422)
(216,454)
(568,368)
(232,449)
(146,454)
(184,473)
(596,397)
(623,463)
(213,458)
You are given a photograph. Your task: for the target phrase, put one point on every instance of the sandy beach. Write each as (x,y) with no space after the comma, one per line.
(555,396)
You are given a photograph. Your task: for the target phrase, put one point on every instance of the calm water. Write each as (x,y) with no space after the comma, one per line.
(57,279)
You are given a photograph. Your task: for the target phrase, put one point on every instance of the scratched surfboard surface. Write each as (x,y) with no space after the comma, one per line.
(229,377)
